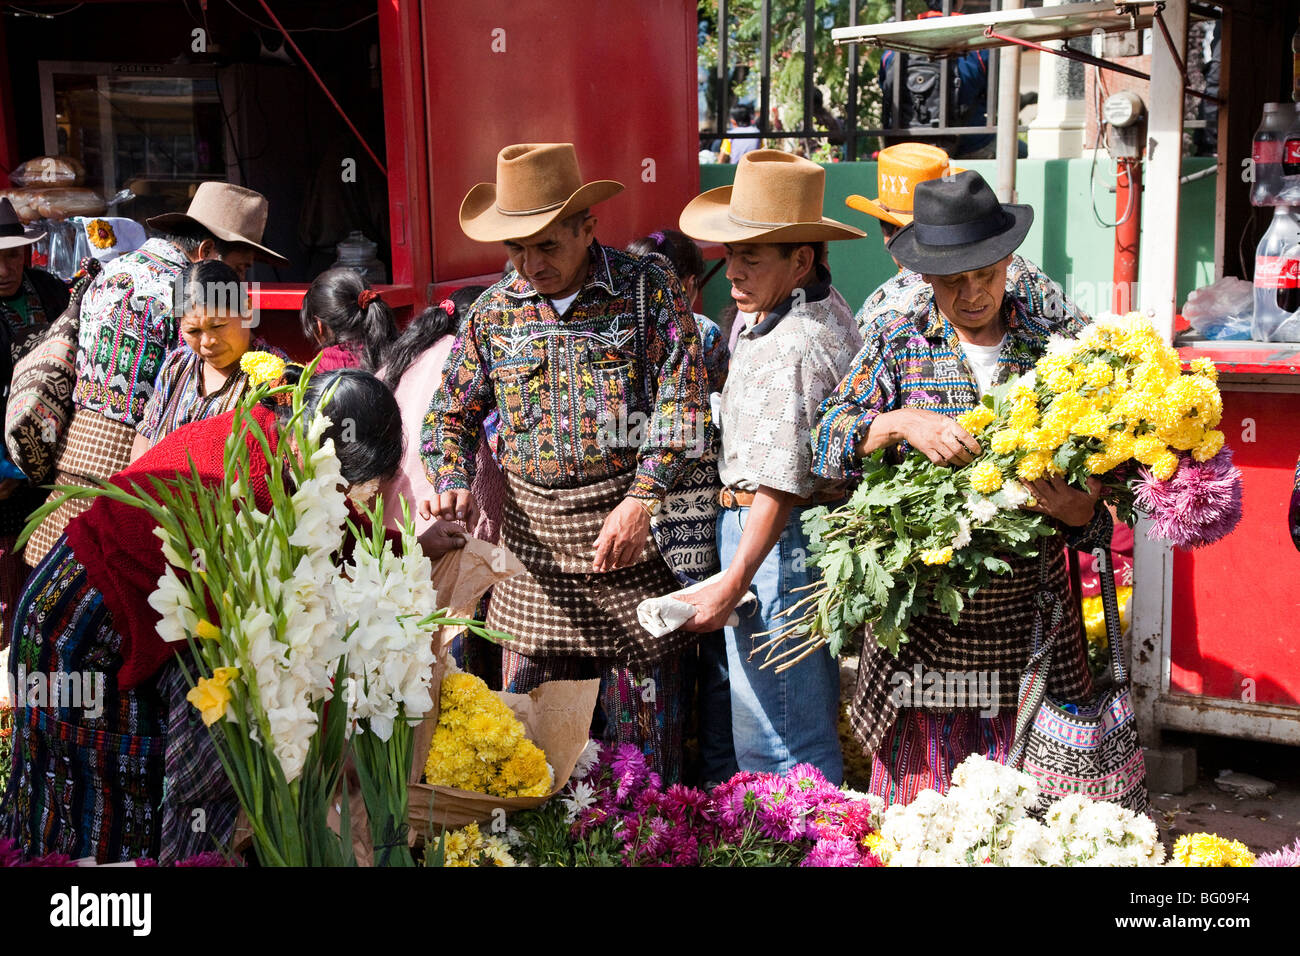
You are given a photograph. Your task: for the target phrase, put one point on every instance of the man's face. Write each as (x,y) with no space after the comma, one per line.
(12,262)
(761,277)
(555,260)
(239,259)
(971,301)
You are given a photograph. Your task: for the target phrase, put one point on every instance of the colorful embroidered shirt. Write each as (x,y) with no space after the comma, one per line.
(581,396)
(782,369)
(912,358)
(127,329)
(1025,281)
(178,398)
(716,355)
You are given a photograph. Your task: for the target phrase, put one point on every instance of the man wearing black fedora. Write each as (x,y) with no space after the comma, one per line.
(930,360)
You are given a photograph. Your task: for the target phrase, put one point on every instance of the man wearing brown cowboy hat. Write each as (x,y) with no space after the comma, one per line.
(128,329)
(899,170)
(925,365)
(578,344)
(796,349)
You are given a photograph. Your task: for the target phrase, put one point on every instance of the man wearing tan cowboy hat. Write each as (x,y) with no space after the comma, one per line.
(795,350)
(593,360)
(918,372)
(899,170)
(128,329)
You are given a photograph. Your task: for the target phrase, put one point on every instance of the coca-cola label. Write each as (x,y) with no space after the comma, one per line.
(1267,152)
(1277,272)
(1291,153)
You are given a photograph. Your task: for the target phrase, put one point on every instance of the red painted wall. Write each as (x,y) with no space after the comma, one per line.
(615,79)
(1237,603)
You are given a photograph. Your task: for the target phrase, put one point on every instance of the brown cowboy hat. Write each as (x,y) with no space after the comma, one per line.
(899,170)
(537,184)
(776,197)
(12,232)
(231,213)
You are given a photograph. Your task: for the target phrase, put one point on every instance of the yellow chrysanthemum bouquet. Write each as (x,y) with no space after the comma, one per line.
(480,745)
(1113,405)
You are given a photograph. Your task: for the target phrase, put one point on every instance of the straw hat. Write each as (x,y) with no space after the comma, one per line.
(899,170)
(776,197)
(12,232)
(959,226)
(537,184)
(231,213)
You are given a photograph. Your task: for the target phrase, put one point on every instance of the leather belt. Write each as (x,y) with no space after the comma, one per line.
(731,499)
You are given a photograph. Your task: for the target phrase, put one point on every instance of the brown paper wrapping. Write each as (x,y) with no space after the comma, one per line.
(462,576)
(556,716)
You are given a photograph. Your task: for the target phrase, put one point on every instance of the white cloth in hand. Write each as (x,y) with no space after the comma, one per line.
(662,615)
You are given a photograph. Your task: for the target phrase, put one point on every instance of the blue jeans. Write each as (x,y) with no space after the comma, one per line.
(779,720)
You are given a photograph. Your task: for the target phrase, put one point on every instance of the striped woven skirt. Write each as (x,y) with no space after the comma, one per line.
(923,748)
(87,774)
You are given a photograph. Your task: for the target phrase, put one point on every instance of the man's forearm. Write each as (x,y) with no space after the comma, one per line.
(767,519)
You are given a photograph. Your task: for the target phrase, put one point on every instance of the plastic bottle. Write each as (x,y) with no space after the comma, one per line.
(1277,274)
(1266,151)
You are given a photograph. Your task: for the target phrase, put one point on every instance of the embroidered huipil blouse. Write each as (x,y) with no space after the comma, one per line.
(580,397)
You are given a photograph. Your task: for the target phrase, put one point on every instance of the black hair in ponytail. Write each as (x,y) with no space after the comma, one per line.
(336,300)
(426,329)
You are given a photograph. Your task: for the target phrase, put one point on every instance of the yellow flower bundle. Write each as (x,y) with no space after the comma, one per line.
(468,847)
(1094,615)
(1117,393)
(1210,849)
(479,745)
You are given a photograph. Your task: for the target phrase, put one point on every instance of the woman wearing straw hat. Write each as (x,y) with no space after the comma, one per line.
(593,360)
(128,328)
(925,365)
(791,356)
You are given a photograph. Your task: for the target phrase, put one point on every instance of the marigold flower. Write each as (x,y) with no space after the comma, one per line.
(1206,367)
(1005,441)
(1164,466)
(262,367)
(975,420)
(985,477)
(1148,449)
(1032,466)
(1210,446)
(936,556)
(1210,849)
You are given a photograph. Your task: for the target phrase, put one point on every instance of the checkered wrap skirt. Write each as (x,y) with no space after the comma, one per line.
(993,635)
(96,447)
(558,607)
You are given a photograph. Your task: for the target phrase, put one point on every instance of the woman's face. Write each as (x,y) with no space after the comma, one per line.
(218,338)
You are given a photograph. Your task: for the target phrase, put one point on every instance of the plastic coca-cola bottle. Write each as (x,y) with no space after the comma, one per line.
(1266,151)
(1277,274)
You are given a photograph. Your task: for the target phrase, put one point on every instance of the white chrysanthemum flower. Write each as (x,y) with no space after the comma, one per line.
(982,510)
(1013,494)
(962,537)
(581,796)
(586,760)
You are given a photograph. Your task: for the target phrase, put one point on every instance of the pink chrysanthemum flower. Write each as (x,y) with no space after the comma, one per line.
(1199,505)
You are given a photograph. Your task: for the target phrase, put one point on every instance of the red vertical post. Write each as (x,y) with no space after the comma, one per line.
(8,130)
(1128,218)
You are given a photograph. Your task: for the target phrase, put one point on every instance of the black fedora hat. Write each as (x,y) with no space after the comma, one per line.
(12,232)
(959,225)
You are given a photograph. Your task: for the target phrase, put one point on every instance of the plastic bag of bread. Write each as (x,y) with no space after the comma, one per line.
(66,201)
(24,201)
(49,171)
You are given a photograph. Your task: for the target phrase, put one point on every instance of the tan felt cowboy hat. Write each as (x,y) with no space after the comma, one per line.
(12,232)
(900,168)
(537,184)
(776,197)
(231,213)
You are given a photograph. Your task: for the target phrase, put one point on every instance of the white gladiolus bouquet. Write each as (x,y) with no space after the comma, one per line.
(387,597)
(298,659)
(984,820)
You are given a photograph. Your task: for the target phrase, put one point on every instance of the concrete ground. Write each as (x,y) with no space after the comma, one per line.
(1262,823)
